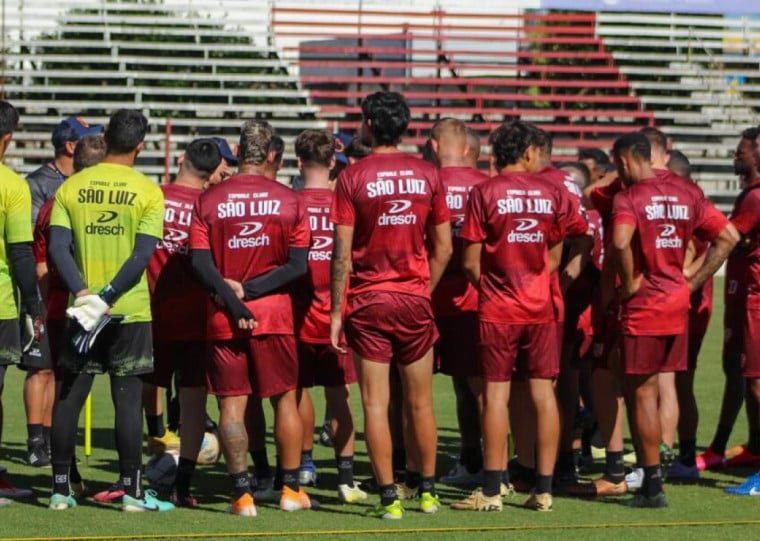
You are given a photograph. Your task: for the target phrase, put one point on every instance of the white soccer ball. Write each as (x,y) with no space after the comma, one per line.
(209,453)
(161,470)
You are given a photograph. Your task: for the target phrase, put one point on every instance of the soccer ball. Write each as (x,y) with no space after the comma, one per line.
(161,471)
(209,453)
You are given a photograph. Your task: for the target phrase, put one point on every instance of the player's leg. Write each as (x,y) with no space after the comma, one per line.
(166,357)
(307,474)
(567,398)
(126,394)
(264,479)
(688,420)
(668,416)
(36,397)
(522,417)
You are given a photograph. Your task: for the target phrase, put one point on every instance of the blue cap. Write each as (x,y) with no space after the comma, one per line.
(224,148)
(341,142)
(73,128)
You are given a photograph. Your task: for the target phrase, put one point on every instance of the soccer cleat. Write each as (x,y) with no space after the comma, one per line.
(351,494)
(405,492)
(149,502)
(506,489)
(325,438)
(186,500)
(598,487)
(307,475)
(265,490)
(750,487)
(9,491)
(79,489)
(653,502)
(745,459)
(459,476)
(244,506)
(59,502)
(429,503)
(290,500)
(635,478)
(168,442)
(477,501)
(539,502)
(710,460)
(38,452)
(110,495)
(392,511)
(679,470)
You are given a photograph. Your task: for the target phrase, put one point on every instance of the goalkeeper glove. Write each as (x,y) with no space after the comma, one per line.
(33,324)
(88,310)
(84,340)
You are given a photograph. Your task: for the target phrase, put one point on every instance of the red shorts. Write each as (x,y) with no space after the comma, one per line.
(654,354)
(187,358)
(501,344)
(320,364)
(751,349)
(382,326)
(456,345)
(265,365)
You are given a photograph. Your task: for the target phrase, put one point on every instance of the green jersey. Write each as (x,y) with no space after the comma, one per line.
(16,225)
(105,207)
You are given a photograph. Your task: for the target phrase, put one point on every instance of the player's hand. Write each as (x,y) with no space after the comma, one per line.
(243,316)
(33,331)
(236,287)
(336,328)
(88,310)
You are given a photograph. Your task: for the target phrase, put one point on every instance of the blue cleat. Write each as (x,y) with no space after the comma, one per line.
(149,502)
(750,487)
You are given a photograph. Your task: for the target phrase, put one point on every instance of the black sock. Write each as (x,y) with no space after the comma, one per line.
(413,479)
(505,477)
(131,481)
(399,459)
(754,441)
(577,458)
(492,482)
(543,483)
(261,464)
(427,484)
(46,430)
(652,481)
(306,456)
(69,402)
(61,479)
(345,470)
(74,475)
(290,479)
(388,494)
(722,433)
(126,395)
(185,470)
(472,459)
(614,467)
(156,427)
(687,452)
(241,484)
(586,437)
(34,431)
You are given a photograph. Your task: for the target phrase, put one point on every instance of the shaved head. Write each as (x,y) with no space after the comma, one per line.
(449,140)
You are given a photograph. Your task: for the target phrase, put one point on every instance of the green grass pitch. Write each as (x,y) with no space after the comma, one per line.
(700,509)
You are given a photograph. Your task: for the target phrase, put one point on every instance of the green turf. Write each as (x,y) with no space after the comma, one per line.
(701,510)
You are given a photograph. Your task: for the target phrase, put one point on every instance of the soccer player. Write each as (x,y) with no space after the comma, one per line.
(253,232)
(597,161)
(178,302)
(39,385)
(319,364)
(228,164)
(653,221)
(513,232)
(383,208)
(455,302)
(113,215)
(734,296)
(16,271)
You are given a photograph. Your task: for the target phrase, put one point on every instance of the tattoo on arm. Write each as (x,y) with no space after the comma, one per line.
(340,266)
(235,444)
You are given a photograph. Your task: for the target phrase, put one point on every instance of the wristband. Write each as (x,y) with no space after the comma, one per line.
(108,294)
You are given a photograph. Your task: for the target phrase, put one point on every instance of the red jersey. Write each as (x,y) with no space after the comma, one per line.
(665,212)
(517,216)
(746,218)
(389,199)
(58,294)
(178,299)
(602,197)
(312,294)
(596,228)
(249,223)
(454,293)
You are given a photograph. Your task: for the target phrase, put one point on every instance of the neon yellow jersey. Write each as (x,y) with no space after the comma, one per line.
(105,207)
(16,225)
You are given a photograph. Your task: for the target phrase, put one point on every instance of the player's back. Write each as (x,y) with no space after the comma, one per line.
(15,209)
(389,199)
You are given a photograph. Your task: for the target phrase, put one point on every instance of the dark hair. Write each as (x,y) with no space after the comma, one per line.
(751,134)
(315,147)
(428,154)
(356,149)
(278,145)
(636,143)
(389,115)
(204,156)
(8,118)
(580,167)
(679,164)
(510,141)
(90,150)
(126,129)
(655,137)
(547,145)
(597,155)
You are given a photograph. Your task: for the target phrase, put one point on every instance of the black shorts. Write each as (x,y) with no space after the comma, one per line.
(38,356)
(10,342)
(119,350)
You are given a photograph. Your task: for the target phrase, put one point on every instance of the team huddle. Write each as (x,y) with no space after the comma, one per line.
(558,297)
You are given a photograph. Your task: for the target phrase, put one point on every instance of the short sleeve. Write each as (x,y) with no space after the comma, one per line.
(569,220)
(300,235)
(152,219)
(710,221)
(474,217)
(440,211)
(60,215)
(199,230)
(623,212)
(18,214)
(602,197)
(746,214)
(342,211)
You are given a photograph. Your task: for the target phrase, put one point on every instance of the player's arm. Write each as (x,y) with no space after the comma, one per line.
(555,257)
(579,255)
(340,267)
(441,248)
(202,262)
(471,262)
(622,234)
(599,191)
(717,253)
(295,267)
